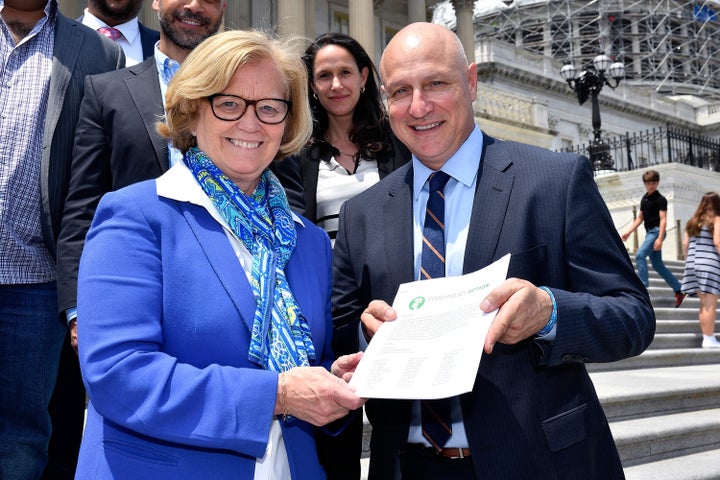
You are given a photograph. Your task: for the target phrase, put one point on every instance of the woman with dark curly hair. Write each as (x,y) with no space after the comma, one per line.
(352,146)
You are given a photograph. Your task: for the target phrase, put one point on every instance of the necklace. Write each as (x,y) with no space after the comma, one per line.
(349,155)
(354,156)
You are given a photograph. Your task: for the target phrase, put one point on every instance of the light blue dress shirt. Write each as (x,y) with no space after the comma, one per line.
(459,196)
(167,67)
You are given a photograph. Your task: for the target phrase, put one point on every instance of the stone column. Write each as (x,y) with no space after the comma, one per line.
(291,17)
(310,26)
(465,29)
(362,24)
(416,11)
(71,8)
(238,15)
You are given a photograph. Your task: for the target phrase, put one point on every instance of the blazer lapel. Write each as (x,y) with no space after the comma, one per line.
(398,235)
(144,88)
(216,247)
(492,197)
(65,54)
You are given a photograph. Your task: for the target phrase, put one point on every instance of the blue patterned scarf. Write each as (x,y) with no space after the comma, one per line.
(281,337)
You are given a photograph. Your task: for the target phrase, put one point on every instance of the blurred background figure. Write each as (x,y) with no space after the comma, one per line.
(117,20)
(701,244)
(45,58)
(352,146)
(116,144)
(220,368)
(653,215)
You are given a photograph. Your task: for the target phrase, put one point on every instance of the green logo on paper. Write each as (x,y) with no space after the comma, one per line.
(416,303)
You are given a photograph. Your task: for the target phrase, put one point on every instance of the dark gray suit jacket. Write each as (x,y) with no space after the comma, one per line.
(533,411)
(116,145)
(78,52)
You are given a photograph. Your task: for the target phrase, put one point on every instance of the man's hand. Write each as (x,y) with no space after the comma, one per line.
(73,335)
(524,310)
(377,312)
(344,367)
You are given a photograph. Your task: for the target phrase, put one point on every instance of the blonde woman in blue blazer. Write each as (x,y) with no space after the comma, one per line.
(205,344)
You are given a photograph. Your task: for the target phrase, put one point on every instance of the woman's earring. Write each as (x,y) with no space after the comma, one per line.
(362,89)
(315,95)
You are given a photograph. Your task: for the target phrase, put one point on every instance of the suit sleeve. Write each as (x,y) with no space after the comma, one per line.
(90,178)
(604,312)
(347,299)
(288,173)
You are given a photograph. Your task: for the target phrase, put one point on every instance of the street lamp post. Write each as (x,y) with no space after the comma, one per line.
(589,83)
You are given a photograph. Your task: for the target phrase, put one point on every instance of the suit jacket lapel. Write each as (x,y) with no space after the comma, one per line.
(65,54)
(398,235)
(144,88)
(215,245)
(492,196)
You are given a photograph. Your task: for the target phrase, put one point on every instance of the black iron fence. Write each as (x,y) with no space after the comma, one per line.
(660,145)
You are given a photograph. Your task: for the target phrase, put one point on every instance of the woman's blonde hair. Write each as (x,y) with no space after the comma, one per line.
(210,67)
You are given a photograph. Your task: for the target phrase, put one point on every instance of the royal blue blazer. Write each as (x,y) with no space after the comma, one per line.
(165,313)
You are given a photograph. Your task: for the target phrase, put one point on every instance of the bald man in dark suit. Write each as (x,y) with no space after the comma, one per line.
(572,296)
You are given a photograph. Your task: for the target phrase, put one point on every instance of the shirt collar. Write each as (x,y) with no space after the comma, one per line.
(179,184)
(129,29)
(463,165)
(160,60)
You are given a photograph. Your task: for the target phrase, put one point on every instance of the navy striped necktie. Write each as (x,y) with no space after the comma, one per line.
(436,418)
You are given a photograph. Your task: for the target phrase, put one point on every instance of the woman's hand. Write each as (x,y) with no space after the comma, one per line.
(315,395)
(344,367)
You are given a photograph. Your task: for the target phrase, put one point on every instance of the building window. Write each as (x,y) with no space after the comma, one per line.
(389,33)
(340,22)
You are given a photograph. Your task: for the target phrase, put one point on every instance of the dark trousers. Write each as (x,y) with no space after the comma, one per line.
(340,454)
(67,413)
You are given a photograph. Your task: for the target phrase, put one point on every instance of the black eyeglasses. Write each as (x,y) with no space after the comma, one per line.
(230,108)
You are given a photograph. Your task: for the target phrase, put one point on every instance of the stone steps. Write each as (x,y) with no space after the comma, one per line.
(664,405)
(661,358)
(632,394)
(647,440)
(696,466)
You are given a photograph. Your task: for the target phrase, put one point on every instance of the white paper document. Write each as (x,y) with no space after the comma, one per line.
(433,348)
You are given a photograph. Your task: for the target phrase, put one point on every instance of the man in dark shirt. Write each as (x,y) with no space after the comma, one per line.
(653,212)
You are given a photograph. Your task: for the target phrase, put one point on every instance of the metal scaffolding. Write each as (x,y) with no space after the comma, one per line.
(671,46)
